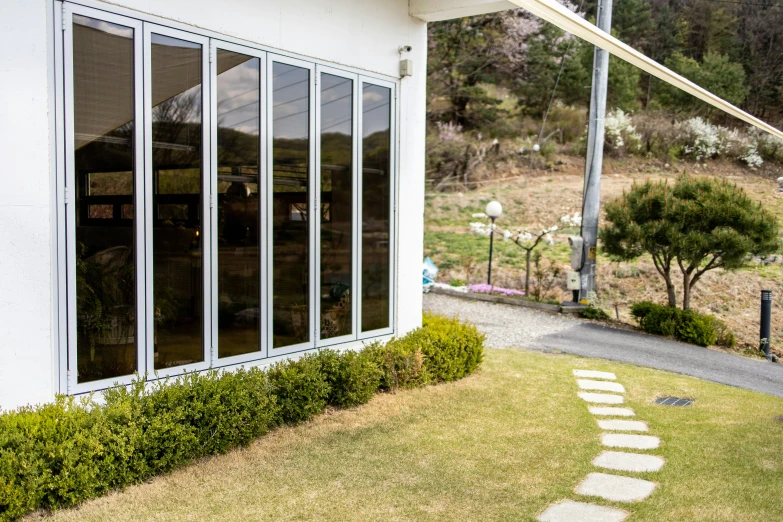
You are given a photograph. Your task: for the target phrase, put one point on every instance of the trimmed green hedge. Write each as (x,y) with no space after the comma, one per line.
(686,325)
(60,454)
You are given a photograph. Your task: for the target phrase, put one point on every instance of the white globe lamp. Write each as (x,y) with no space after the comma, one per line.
(494,210)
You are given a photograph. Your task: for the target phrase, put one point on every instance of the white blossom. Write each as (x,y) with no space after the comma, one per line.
(619,129)
(449,132)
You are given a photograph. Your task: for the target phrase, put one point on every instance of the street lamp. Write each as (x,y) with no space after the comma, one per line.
(493,211)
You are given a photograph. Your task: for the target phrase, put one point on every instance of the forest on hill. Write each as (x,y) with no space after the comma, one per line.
(493,77)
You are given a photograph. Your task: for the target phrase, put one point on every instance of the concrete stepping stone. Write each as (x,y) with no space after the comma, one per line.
(610,411)
(570,511)
(592,374)
(615,487)
(621,461)
(601,386)
(622,425)
(621,440)
(601,398)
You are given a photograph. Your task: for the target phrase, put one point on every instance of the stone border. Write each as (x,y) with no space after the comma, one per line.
(509,301)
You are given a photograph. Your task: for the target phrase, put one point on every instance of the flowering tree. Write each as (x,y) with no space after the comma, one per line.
(524,239)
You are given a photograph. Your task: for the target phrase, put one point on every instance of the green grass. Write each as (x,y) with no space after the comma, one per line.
(448,248)
(499,445)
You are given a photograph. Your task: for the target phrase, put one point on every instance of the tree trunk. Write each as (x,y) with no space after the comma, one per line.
(686,292)
(670,290)
(527,272)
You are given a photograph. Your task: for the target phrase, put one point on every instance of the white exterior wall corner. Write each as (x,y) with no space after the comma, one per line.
(26,212)
(437,10)
(360,34)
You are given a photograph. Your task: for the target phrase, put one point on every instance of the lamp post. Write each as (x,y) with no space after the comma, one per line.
(493,211)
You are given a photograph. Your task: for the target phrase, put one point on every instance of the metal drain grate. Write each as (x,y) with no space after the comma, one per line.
(673,401)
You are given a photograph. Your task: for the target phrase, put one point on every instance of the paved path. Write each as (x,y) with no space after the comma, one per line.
(593,340)
(512,326)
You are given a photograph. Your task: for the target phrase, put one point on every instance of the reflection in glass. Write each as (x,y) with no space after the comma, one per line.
(336,205)
(238,118)
(290,230)
(177,248)
(376,202)
(103,91)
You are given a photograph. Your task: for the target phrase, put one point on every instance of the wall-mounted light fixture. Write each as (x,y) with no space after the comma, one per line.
(406,65)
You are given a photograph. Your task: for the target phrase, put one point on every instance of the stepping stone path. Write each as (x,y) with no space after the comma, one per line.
(579,511)
(617,440)
(615,487)
(622,461)
(601,398)
(622,425)
(601,385)
(610,411)
(607,486)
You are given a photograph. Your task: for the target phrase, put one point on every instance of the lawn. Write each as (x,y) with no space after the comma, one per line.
(499,445)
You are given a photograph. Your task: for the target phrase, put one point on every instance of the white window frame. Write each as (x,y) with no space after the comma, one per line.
(206,232)
(392,86)
(69,191)
(144,25)
(263,246)
(311,212)
(356,195)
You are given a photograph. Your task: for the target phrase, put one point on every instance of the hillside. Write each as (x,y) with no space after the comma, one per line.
(537,199)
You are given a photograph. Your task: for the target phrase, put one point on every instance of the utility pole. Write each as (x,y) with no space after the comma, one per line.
(591,205)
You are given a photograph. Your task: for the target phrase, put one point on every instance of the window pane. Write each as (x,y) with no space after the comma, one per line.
(238,120)
(103,177)
(290,230)
(376,201)
(177,249)
(336,205)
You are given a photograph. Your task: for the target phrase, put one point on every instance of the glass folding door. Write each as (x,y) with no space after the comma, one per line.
(103,197)
(218,204)
(237,134)
(291,200)
(376,121)
(336,121)
(177,188)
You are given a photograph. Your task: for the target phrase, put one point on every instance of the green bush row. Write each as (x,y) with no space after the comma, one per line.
(686,325)
(59,454)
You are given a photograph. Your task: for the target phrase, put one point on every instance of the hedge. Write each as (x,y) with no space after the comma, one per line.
(686,325)
(59,454)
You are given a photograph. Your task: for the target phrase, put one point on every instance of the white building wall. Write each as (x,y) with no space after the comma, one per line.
(26,289)
(363,34)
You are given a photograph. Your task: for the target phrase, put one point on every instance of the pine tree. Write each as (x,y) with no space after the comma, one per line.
(696,225)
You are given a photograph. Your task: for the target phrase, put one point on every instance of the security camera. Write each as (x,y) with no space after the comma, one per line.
(404,49)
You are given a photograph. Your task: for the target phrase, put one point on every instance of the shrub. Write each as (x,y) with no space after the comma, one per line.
(353,377)
(686,325)
(60,454)
(695,328)
(451,349)
(594,313)
(301,388)
(456,282)
(401,363)
(443,349)
(723,335)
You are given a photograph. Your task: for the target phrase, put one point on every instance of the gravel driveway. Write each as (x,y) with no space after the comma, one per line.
(505,326)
